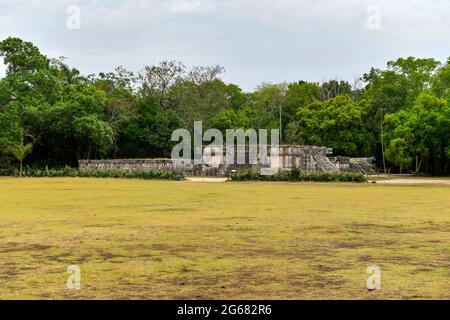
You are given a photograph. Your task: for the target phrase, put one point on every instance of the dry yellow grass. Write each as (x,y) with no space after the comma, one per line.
(137,239)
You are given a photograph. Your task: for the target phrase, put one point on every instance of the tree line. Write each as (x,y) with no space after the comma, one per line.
(52,115)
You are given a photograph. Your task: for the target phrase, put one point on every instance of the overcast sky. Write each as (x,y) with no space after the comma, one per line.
(256,41)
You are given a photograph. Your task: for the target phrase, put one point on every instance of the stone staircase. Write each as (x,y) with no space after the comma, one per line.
(323,164)
(362,167)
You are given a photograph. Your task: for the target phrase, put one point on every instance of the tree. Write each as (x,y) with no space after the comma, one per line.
(12,137)
(337,123)
(67,136)
(266,109)
(66,74)
(147,133)
(299,95)
(441,82)
(230,119)
(157,80)
(29,76)
(394,89)
(201,74)
(237,99)
(417,72)
(29,88)
(195,102)
(120,101)
(93,135)
(120,114)
(20,151)
(399,86)
(11,131)
(333,88)
(418,134)
(21,56)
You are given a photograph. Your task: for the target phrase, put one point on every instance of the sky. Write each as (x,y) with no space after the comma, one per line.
(256,41)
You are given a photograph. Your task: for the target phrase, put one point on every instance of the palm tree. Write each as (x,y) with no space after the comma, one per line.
(70,75)
(20,151)
(67,74)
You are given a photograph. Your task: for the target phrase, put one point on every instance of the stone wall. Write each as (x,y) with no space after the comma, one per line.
(135,165)
(186,169)
(307,158)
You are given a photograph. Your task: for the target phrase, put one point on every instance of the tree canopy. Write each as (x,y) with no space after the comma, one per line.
(52,114)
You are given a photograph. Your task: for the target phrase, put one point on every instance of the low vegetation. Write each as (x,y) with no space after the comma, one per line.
(140,239)
(246,175)
(72,172)
(296,175)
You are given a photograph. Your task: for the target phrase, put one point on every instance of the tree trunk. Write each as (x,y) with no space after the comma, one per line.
(21,168)
(78,153)
(420,165)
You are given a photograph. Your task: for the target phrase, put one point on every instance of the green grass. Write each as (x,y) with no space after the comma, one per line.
(139,239)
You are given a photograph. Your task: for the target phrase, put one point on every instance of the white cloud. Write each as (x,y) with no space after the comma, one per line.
(188,6)
(256,41)
(7,19)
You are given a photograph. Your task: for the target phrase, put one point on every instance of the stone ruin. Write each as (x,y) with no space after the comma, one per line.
(309,159)
(347,164)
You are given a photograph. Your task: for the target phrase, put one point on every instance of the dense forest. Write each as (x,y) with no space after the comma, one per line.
(52,115)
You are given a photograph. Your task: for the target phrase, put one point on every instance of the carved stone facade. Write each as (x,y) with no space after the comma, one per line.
(306,158)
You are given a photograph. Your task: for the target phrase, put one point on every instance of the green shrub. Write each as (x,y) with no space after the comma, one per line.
(247,175)
(72,172)
(296,175)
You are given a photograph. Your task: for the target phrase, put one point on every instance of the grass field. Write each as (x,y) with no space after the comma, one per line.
(136,239)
